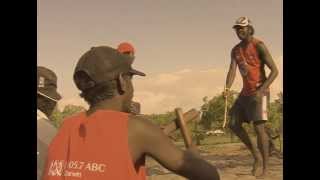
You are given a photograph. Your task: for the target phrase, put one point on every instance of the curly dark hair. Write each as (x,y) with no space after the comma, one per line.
(99,92)
(92,92)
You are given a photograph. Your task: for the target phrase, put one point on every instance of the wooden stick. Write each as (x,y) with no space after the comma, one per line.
(191,115)
(184,131)
(225,112)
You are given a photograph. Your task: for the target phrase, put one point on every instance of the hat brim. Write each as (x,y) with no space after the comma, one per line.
(51,94)
(242,25)
(136,72)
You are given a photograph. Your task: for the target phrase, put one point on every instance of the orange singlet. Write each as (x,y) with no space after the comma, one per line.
(92,147)
(250,66)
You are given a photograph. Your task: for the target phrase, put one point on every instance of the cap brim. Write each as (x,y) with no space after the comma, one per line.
(136,72)
(51,94)
(242,25)
(56,95)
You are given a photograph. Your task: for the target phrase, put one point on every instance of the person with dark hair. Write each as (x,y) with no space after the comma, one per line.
(128,49)
(251,55)
(108,142)
(47,98)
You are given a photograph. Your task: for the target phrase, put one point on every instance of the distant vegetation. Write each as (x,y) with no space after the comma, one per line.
(69,110)
(211,119)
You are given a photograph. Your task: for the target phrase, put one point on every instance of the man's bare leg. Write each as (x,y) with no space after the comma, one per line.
(263,146)
(244,137)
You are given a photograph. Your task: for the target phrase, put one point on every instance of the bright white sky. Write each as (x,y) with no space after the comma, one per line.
(183,46)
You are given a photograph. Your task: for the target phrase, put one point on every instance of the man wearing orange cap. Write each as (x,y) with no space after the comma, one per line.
(128,49)
(108,142)
(251,56)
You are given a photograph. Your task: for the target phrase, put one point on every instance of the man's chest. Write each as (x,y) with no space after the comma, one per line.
(247,56)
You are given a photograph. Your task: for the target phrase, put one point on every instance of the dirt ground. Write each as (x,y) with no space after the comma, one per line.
(232,160)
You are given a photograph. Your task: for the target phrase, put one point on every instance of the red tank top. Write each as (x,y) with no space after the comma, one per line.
(250,66)
(92,147)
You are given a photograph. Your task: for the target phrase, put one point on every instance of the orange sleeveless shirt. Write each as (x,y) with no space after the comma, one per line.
(92,147)
(250,66)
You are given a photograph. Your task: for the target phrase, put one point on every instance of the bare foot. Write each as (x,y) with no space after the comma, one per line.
(257,167)
(278,154)
(263,175)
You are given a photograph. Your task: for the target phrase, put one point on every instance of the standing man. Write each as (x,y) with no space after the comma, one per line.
(128,49)
(251,55)
(107,142)
(47,98)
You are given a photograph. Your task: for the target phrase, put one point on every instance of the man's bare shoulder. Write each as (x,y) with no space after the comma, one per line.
(260,45)
(261,48)
(142,126)
(234,49)
(141,122)
(257,40)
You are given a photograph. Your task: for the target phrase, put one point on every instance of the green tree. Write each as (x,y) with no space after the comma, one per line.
(275,114)
(70,110)
(162,119)
(57,116)
(213,110)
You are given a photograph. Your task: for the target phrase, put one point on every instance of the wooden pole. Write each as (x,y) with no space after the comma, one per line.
(225,112)
(184,131)
(191,115)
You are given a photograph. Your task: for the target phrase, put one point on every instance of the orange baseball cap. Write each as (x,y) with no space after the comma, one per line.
(125,47)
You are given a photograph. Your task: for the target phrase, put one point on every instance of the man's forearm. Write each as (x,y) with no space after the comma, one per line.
(266,57)
(230,79)
(195,168)
(208,172)
(270,79)
(205,171)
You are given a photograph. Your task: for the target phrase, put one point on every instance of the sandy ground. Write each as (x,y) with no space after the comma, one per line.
(232,160)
